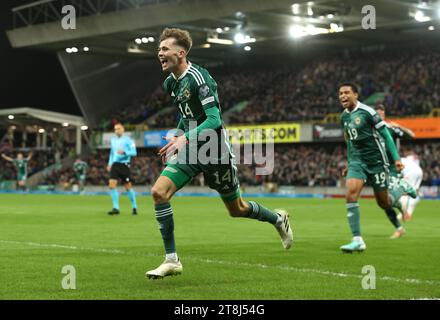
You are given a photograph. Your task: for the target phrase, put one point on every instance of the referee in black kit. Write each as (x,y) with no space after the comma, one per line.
(122,149)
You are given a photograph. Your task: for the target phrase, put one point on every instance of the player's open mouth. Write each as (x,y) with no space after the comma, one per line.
(163,62)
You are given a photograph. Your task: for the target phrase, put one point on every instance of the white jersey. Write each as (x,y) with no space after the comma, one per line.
(412,172)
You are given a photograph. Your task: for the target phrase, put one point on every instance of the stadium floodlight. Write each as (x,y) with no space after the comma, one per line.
(144,40)
(151,39)
(84,128)
(312,30)
(334,27)
(297,31)
(74,49)
(330,16)
(420,17)
(11,117)
(220,41)
(65,124)
(241,38)
(219,30)
(138,40)
(309,10)
(69,50)
(86,49)
(295,8)
(206,45)
(247,48)
(226,29)
(431,28)
(41,130)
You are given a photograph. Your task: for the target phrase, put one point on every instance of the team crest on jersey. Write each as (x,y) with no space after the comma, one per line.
(186,93)
(357,121)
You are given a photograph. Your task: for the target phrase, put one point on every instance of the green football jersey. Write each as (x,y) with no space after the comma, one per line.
(192,93)
(360,127)
(80,167)
(21,166)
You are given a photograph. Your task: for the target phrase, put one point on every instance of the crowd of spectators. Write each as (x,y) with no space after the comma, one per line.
(310,165)
(409,82)
(429,154)
(145,168)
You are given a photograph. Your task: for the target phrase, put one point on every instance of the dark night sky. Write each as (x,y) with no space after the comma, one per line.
(30,77)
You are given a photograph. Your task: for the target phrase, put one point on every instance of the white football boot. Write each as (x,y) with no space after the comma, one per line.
(167,268)
(284,229)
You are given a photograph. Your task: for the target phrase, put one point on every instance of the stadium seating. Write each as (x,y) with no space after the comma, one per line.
(408,83)
(300,165)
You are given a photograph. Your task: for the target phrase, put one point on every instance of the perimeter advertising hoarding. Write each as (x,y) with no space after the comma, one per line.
(277,133)
(424,128)
(327,132)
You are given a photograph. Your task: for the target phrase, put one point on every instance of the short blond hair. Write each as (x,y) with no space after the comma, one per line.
(183,38)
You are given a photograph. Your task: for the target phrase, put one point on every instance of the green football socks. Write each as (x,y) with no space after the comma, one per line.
(353,215)
(164,216)
(261,213)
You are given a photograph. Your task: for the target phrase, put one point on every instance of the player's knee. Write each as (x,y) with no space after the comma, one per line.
(159,194)
(351,195)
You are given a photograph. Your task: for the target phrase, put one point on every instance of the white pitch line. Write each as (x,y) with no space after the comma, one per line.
(61,246)
(229,263)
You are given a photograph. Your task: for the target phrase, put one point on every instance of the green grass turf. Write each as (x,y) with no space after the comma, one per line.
(223,258)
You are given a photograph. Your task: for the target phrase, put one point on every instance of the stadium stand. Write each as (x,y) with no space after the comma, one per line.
(400,80)
(309,165)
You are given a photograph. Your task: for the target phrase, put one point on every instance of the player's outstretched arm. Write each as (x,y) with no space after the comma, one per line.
(7,158)
(29,157)
(407,131)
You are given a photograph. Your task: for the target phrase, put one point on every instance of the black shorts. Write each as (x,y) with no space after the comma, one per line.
(120,171)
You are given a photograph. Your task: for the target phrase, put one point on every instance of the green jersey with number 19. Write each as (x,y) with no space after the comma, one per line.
(361,132)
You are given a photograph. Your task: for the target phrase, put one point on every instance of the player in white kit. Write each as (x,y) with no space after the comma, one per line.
(413,174)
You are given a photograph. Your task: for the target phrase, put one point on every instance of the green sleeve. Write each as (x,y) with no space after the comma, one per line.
(389,143)
(213,121)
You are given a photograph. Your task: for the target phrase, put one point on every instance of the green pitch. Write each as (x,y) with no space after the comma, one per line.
(223,258)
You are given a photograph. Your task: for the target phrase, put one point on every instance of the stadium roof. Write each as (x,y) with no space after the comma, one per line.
(37,117)
(111,27)
(110,58)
